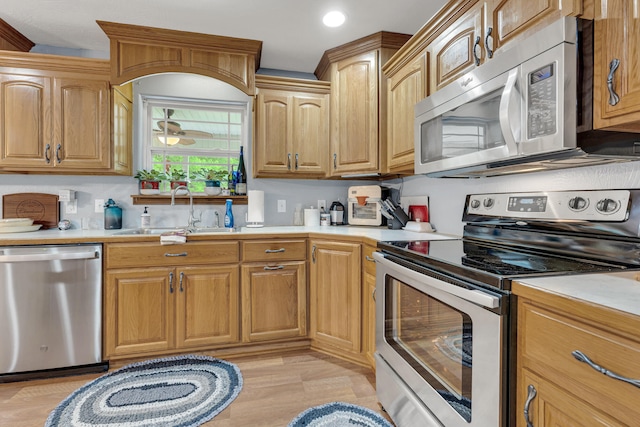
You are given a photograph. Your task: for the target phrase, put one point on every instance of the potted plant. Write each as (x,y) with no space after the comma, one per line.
(149,181)
(176,177)
(212,180)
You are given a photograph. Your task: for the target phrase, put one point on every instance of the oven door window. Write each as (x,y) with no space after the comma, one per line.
(442,352)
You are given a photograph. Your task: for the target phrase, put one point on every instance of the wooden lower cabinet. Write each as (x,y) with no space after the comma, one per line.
(335,297)
(565,391)
(274,301)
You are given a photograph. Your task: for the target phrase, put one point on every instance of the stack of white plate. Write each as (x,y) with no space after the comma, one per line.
(17,225)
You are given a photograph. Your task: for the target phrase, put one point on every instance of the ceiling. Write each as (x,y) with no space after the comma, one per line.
(292,32)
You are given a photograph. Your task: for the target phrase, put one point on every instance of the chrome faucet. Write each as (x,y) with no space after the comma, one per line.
(217,218)
(191,226)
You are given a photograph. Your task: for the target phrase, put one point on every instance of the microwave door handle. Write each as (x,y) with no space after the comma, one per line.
(505,105)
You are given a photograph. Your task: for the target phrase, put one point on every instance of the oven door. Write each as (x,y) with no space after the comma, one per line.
(444,341)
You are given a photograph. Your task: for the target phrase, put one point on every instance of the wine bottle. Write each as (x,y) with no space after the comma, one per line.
(241,184)
(232,182)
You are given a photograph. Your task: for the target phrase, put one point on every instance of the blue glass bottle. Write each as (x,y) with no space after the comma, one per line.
(228,216)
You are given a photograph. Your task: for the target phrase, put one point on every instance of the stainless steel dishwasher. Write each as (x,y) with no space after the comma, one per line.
(50,310)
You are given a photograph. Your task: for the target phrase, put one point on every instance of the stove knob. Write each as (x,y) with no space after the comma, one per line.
(475,203)
(488,203)
(578,203)
(607,206)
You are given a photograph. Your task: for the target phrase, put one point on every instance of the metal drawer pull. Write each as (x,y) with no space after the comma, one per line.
(289,161)
(527,404)
(181,279)
(58,148)
(180,254)
(274,251)
(313,254)
(171,282)
(486,42)
(613,96)
(580,356)
(368,258)
(47,149)
(278,267)
(373,294)
(475,54)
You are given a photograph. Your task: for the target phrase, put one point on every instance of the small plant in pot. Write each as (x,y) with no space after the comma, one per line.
(213,179)
(149,181)
(176,177)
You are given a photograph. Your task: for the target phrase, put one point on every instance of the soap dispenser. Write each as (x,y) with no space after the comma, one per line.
(112,216)
(145,219)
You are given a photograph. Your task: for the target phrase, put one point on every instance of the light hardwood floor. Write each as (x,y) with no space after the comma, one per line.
(276,389)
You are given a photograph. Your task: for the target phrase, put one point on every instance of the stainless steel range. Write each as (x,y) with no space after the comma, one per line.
(444,329)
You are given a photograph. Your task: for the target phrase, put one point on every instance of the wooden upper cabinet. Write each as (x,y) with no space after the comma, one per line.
(122,127)
(55,114)
(291,136)
(617,37)
(139,51)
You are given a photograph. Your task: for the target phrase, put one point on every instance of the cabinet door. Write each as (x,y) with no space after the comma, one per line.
(617,37)
(274,301)
(272,133)
(335,303)
(354,115)
(310,133)
(459,49)
(369,304)
(81,113)
(122,131)
(25,121)
(207,306)
(139,311)
(405,89)
(554,407)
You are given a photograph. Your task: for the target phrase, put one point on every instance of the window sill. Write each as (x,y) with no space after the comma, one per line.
(198,199)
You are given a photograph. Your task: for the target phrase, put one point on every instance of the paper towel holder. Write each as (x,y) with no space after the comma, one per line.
(255,209)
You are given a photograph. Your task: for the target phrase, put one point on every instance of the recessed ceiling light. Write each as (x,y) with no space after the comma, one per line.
(333,19)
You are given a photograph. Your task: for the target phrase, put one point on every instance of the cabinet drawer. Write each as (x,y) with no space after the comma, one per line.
(547,346)
(369,264)
(274,250)
(119,255)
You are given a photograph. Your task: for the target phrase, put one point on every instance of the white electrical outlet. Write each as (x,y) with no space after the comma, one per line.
(282,205)
(71,207)
(99,205)
(322,205)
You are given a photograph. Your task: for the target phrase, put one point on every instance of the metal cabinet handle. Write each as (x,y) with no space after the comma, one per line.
(278,267)
(313,254)
(171,282)
(475,52)
(181,279)
(368,258)
(613,96)
(288,161)
(532,394)
(47,149)
(335,160)
(580,356)
(274,251)
(373,294)
(58,149)
(486,43)
(296,161)
(174,255)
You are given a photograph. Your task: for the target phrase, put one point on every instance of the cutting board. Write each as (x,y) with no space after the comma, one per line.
(42,208)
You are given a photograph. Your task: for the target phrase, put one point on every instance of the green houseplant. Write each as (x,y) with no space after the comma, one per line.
(212,180)
(149,181)
(176,177)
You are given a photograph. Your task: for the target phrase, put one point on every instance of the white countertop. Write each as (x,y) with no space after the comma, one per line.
(377,233)
(620,291)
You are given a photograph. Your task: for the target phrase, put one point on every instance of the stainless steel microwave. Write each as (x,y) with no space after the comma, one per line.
(517,112)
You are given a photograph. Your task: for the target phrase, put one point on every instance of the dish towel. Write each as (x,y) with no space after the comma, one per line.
(173,237)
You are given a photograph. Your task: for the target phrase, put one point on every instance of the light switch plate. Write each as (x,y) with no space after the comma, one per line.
(71,207)
(282,206)
(99,206)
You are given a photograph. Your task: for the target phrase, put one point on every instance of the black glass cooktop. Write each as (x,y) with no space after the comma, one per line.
(488,263)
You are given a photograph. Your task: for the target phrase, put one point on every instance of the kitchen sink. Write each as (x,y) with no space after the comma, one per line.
(152,231)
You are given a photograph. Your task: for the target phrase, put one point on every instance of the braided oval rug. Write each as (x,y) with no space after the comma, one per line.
(339,414)
(180,391)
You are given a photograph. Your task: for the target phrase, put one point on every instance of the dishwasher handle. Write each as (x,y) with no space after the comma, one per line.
(49,256)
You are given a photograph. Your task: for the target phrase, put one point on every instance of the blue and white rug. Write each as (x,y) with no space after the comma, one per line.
(176,391)
(339,414)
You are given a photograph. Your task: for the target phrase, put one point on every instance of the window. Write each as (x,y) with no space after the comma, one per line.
(191,136)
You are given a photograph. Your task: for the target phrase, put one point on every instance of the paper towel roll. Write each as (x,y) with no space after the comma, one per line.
(311,217)
(255,208)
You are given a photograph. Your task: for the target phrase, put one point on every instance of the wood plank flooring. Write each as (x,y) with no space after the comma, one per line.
(276,389)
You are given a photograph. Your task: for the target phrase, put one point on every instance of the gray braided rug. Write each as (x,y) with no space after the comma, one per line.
(339,414)
(181,391)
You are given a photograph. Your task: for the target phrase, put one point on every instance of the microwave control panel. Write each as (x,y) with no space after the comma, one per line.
(589,205)
(543,102)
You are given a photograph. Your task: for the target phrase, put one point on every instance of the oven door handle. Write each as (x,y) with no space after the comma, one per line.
(472,295)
